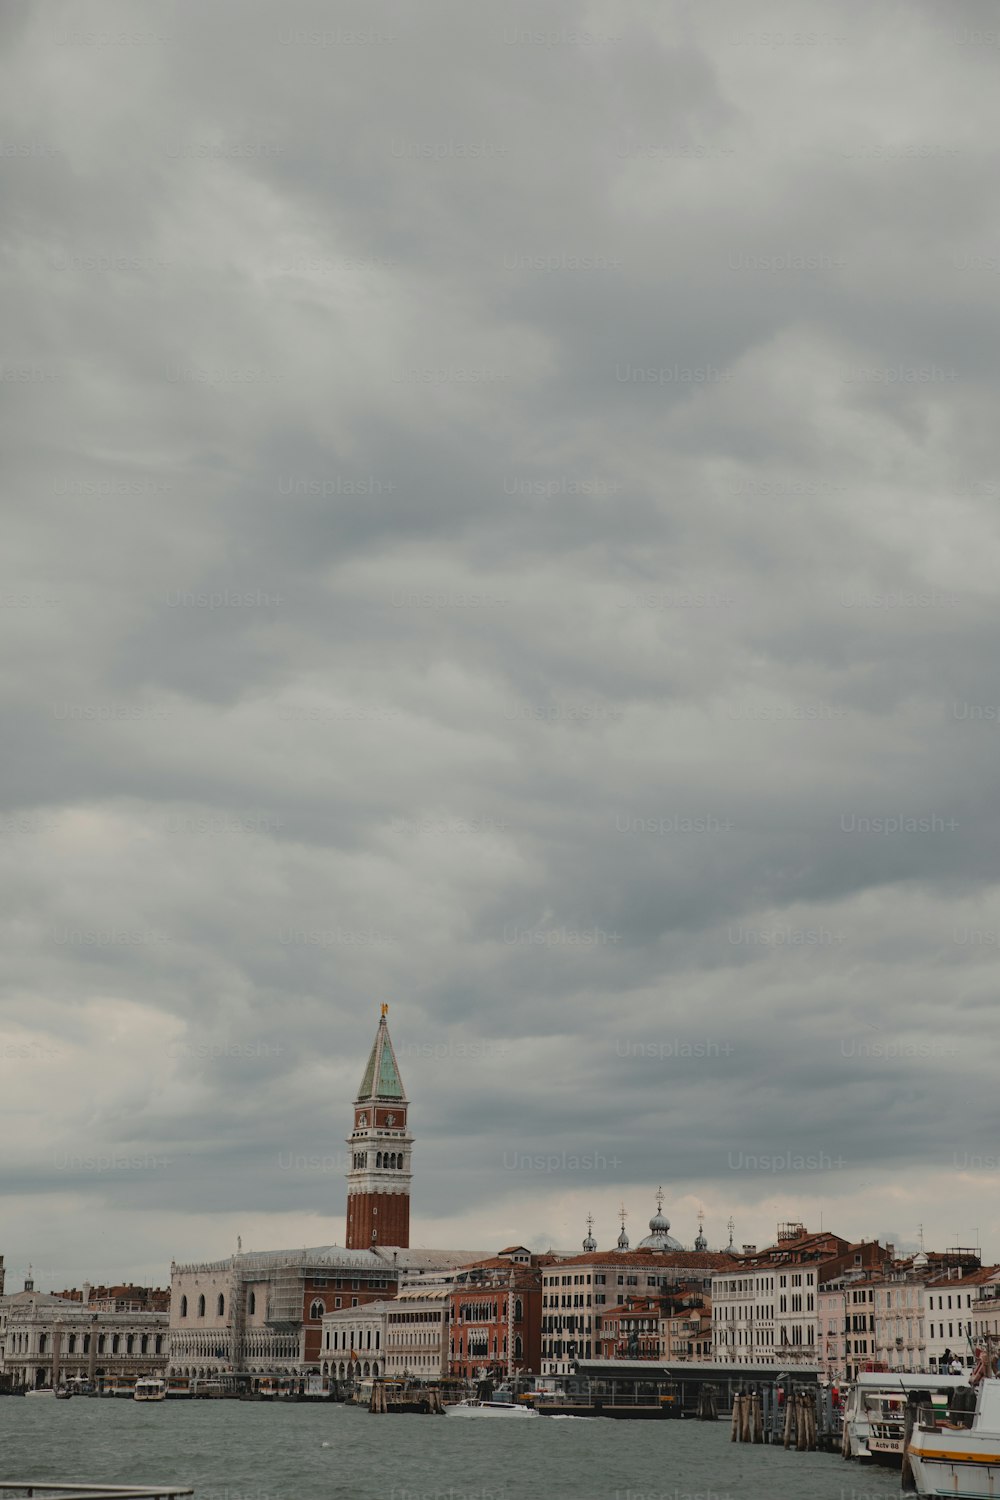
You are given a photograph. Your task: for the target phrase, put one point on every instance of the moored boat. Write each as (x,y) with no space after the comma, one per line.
(875,1411)
(957,1454)
(489,1409)
(150,1388)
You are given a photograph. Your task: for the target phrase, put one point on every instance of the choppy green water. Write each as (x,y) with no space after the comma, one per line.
(235,1450)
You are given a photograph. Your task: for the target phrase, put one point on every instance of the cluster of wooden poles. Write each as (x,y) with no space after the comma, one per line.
(708,1403)
(426,1402)
(756,1420)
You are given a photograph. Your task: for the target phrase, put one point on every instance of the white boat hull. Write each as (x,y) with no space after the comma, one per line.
(959,1478)
(962,1463)
(491,1410)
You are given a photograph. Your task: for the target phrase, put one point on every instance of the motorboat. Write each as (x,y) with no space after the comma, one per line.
(42,1390)
(957,1453)
(875,1411)
(150,1388)
(489,1409)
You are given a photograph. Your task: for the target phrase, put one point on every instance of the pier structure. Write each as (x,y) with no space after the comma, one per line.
(702,1386)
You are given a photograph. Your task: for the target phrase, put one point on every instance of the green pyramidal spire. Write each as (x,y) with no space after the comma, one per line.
(382,1080)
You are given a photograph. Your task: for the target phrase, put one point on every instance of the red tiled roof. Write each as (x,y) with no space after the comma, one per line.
(651,1260)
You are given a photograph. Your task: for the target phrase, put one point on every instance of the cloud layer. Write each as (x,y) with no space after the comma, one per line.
(502,518)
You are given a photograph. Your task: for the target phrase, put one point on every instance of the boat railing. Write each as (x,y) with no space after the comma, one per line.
(42,1489)
(938,1419)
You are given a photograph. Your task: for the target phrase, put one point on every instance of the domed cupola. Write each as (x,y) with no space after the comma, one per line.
(623,1237)
(659,1237)
(590,1244)
(701,1243)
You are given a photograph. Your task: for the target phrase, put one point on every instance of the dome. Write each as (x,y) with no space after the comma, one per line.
(659,1237)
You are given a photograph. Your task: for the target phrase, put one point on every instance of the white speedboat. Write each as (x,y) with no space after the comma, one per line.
(42,1390)
(956,1454)
(489,1409)
(150,1388)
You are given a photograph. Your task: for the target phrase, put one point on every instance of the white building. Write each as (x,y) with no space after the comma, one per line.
(353,1341)
(765,1308)
(579,1289)
(46,1340)
(403,1336)
(260,1313)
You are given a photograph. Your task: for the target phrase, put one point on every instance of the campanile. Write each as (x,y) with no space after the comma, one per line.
(378,1184)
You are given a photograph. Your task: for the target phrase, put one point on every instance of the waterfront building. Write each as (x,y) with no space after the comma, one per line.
(496,1315)
(845,1318)
(579,1290)
(378,1183)
(920,1310)
(404,1337)
(416,1331)
(46,1339)
(353,1342)
(765,1309)
(262,1312)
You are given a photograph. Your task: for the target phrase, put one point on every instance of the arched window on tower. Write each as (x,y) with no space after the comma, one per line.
(317,1309)
(184,1307)
(221,1305)
(378,1158)
(201,1305)
(518,1311)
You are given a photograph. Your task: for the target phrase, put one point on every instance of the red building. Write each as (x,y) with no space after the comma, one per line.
(378,1183)
(495,1315)
(631,1331)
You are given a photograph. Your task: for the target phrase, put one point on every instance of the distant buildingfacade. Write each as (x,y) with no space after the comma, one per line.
(47,1339)
(581,1291)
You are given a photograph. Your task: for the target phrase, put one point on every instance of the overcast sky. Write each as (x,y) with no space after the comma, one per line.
(502,519)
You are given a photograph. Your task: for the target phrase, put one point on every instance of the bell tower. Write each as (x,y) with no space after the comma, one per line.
(378,1184)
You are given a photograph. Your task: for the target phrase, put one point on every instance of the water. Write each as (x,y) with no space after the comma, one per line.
(241,1450)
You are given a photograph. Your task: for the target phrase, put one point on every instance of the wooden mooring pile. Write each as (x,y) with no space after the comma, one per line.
(422,1401)
(803,1418)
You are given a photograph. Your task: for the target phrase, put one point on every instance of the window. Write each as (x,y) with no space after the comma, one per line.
(201,1306)
(252,1303)
(184,1307)
(220,1306)
(317,1309)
